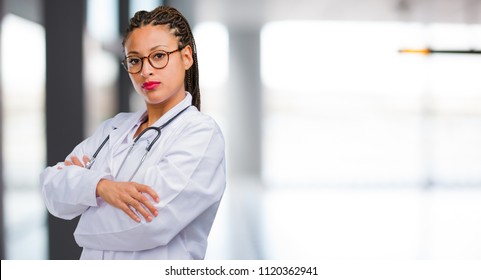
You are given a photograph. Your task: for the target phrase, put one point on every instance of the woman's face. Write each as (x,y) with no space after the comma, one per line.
(164,87)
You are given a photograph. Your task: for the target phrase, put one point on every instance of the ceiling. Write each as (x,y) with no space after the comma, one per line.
(255,12)
(241,13)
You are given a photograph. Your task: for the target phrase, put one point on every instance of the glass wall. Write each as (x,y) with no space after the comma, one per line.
(368,114)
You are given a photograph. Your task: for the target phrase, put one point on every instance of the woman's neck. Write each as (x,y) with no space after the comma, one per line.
(156,111)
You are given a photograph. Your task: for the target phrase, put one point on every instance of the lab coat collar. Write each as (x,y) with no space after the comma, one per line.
(187,101)
(122,126)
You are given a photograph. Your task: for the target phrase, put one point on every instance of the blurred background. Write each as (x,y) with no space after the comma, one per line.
(338,145)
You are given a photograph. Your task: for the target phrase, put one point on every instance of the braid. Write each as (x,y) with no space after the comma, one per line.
(180,28)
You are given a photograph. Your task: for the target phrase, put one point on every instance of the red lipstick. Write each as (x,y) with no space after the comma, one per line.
(150,85)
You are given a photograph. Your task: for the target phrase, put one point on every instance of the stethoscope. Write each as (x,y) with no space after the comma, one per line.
(157,130)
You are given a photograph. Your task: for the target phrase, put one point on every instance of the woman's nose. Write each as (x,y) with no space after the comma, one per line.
(147,69)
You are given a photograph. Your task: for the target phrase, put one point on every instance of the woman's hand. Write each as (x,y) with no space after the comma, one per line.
(128,196)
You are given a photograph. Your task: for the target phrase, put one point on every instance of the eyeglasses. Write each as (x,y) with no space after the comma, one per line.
(158,60)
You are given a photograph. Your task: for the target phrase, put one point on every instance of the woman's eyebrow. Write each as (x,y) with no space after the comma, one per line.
(132,52)
(151,49)
(158,46)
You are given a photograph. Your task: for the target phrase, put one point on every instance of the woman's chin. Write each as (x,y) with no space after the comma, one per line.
(153,98)
(156,98)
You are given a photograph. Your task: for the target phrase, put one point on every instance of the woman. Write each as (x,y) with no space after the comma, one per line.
(146,193)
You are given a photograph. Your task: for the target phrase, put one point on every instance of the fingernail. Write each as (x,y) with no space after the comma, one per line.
(156,213)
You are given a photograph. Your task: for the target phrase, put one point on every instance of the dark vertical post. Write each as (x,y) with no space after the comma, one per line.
(2,236)
(64,26)
(124,84)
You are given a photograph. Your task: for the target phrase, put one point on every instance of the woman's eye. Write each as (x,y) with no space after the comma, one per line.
(133,60)
(158,56)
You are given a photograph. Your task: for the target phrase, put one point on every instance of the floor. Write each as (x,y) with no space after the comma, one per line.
(256,222)
(314,223)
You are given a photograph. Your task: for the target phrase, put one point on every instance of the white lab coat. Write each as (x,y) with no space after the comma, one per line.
(186,167)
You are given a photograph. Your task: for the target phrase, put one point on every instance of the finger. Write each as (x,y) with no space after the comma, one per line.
(150,191)
(85,159)
(145,202)
(135,204)
(130,213)
(68,162)
(76,161)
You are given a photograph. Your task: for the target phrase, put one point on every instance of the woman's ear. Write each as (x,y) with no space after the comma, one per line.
(187,57)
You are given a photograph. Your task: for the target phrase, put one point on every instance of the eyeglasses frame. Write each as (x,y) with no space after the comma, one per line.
(124,61)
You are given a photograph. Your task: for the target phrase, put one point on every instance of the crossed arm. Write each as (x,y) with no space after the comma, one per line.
(125,196)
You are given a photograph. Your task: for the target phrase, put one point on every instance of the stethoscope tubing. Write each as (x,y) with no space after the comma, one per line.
(89,164)
(147,149)
(158,129)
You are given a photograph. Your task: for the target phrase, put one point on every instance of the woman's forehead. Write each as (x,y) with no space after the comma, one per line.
(149,36)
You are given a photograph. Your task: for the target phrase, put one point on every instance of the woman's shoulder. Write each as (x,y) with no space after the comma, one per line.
(200,123)
(197,118)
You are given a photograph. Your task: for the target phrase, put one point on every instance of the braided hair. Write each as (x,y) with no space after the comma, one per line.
(180,28)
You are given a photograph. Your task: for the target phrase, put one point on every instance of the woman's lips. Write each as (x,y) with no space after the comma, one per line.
(150,85)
